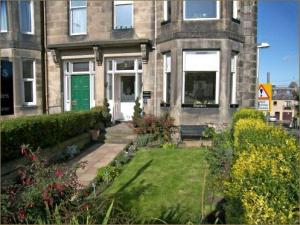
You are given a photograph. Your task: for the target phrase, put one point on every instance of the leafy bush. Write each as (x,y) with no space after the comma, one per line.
(265,181)
(46,130)
(163,126)
(137,115)
(256,132)
(108,173)
(169,146)
(208,132)
(247,113)
(41,190)
(143,140)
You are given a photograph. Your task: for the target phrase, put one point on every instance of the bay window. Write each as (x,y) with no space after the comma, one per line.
(201,77)
(167,78)
(233,100)
(201,9)
(26,16)
(28,75)
(3,16)
(78,17)
(123,14)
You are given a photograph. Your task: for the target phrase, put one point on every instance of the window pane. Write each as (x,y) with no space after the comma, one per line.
(200,9)
(140,66)
(200,87)
(123,16)
(168,86)
(127,89)
(3,16)
(125,65)
(25,14)
(78,3)
(27,66)
(78,20)
(28,91)
(80,66)
(109,87)
(110,65)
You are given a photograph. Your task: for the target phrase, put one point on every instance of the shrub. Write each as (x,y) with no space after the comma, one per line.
(137,115)
(169,146)
(108,173)
(256,132)
(46,130)
(265,180)
(247,113)
(143,140)
(163,126)
(41,190)
(208,132)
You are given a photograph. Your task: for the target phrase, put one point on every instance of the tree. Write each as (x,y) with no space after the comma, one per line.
(137,115)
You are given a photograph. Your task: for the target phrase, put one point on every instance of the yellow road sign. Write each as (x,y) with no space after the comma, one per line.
(264,95)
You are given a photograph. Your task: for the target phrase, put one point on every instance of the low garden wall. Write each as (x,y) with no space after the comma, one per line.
(45,131)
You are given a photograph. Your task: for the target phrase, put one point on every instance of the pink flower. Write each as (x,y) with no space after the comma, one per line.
(33,157)
(21,215)
(59,173)
(24,150)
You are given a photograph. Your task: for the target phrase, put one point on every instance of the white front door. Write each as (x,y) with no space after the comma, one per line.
(127,96)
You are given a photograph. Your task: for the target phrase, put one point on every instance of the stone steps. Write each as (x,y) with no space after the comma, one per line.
(119,134)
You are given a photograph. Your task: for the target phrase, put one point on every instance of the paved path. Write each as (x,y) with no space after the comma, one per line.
(101,155)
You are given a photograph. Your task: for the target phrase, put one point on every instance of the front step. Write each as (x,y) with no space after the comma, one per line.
(119,134)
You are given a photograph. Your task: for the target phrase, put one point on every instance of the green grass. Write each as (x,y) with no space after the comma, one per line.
(164,184)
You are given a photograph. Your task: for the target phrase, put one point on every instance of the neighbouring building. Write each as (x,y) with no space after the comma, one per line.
(193,59)
(21,59)
(284,103)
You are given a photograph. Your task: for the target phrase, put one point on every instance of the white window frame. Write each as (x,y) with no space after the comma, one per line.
(33,80)
(32,17)
(116,3)
(195,19)
(166,16)
(4,31)
(166,71)
(217,90)
(233,72)
(236,7)
(71,19)
(68,73)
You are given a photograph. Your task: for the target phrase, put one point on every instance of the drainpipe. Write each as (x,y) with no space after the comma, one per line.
(42,22)
(155,60)
(45,58)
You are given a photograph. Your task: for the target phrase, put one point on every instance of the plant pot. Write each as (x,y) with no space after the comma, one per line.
(95,134)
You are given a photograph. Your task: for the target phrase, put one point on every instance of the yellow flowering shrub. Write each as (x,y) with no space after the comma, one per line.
(264,183)
(247,113)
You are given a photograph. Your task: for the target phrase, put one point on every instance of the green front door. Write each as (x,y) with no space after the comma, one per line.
(80,92)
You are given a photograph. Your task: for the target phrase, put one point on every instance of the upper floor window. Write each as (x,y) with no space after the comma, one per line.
(201,9)
(123,14)
(167,10)
(167,78)
(3,16)
(26,16)
(236,8)
(233,78)
(78,17)
(28,75)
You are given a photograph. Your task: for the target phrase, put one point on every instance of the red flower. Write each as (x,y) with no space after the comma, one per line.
(33,157)
(59,173)
(21,215)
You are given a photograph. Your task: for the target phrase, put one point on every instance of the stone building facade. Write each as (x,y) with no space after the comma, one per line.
(21,45)
(193,59)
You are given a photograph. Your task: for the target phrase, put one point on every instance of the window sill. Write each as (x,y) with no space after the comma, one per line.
(200,105)
(27,33)
(234,106)
(81,34)
(29,106)
(201,19)
(122,29)
(165,22)
(164,104)
(235,20)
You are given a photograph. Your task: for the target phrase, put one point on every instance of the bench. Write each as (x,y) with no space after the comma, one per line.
(192,131)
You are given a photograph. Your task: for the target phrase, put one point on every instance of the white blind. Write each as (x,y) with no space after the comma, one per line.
(201,60)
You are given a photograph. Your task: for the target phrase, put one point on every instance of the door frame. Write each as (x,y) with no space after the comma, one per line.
(68,73)
(115,106)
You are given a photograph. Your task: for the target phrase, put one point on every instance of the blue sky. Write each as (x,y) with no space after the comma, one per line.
(278,24)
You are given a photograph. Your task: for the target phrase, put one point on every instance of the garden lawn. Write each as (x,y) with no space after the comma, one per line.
(165,185)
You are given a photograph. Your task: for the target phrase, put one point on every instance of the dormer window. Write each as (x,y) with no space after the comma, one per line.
(123,14)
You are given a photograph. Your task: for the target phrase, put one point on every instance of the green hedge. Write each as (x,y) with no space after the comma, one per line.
(47,130)
(264,183)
